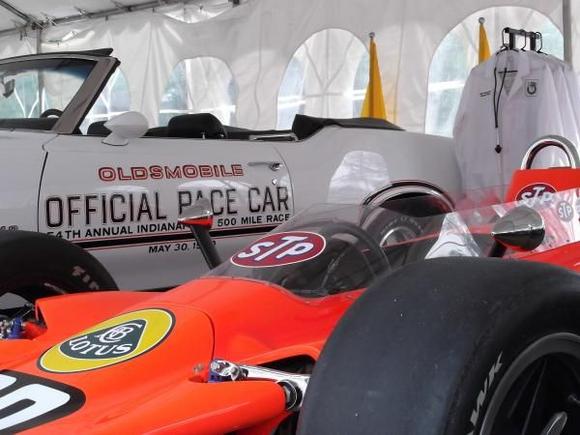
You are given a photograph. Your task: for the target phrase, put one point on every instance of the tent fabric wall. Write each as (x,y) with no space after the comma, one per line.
(17,45)
(575,37)
(332,66)
(258,39)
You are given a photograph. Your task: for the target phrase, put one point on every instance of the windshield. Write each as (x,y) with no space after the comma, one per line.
(29,88)
(334,248)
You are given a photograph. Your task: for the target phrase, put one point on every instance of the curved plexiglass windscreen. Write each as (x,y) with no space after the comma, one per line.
(329,249)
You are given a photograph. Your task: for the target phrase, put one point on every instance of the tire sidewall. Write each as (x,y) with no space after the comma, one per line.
(406,223)
(410,214)
(430,343)
(500,346)
(28,259)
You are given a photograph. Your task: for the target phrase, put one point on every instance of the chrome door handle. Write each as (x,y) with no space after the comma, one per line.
(274,166)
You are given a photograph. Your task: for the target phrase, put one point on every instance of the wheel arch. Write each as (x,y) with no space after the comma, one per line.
(410,188)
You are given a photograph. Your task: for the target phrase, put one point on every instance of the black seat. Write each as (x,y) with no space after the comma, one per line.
(198,125)
(98,129)
(157,132)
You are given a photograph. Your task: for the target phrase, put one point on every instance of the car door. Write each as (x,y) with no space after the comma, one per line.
(21,160)
(122,202)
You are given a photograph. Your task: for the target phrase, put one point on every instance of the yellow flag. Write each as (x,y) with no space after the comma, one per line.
(374,103)
(484,52)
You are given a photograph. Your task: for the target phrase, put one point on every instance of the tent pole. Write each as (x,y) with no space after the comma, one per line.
(567,29)
(15,11)
(40,76)
(121,9)
(38,40)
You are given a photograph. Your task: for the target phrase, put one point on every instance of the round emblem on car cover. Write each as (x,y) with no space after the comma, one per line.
(110,342)
(281,249)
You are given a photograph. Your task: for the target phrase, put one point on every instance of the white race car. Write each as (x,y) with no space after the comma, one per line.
(117,191)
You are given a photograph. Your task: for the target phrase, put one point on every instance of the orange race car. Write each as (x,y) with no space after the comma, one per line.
(232,351)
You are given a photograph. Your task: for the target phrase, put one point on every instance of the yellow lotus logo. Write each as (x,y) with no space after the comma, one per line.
(111,342)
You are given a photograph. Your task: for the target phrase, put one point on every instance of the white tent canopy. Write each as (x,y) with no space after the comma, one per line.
(15,14)
(256,41)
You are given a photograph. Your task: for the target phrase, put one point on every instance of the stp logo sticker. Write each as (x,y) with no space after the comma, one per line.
(281,249)
(539,193)
(111,342)
(565,211)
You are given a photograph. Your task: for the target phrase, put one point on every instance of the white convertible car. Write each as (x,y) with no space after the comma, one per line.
(117,191)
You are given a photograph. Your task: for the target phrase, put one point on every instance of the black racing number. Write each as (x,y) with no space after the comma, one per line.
(27,401)
(226,222)
(181,247)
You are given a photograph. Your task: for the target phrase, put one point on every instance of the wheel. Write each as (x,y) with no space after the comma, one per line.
(35,265)
(402,219)
(407,218)
(51,112)
(454,346)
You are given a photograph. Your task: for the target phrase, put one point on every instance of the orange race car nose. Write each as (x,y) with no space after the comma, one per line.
(124,362)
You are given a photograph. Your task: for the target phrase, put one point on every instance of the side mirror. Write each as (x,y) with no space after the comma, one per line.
(520,229)
(199,219)
(124,127)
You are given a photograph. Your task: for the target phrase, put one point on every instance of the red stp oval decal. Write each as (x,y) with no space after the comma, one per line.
(281,249)
(532,194)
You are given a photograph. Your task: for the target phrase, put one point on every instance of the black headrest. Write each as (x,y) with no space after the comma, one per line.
(198,125)
(98,129)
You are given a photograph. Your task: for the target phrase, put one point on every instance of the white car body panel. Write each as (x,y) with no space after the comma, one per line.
(346,165)
(21,160)
(140,245)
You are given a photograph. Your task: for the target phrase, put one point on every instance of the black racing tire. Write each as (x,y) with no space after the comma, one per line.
(440,346)
(35,265)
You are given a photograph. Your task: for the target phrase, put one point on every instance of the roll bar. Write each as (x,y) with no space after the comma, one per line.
(552,141)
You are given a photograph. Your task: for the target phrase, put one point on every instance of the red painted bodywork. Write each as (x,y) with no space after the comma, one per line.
(166,390)
(559,178)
